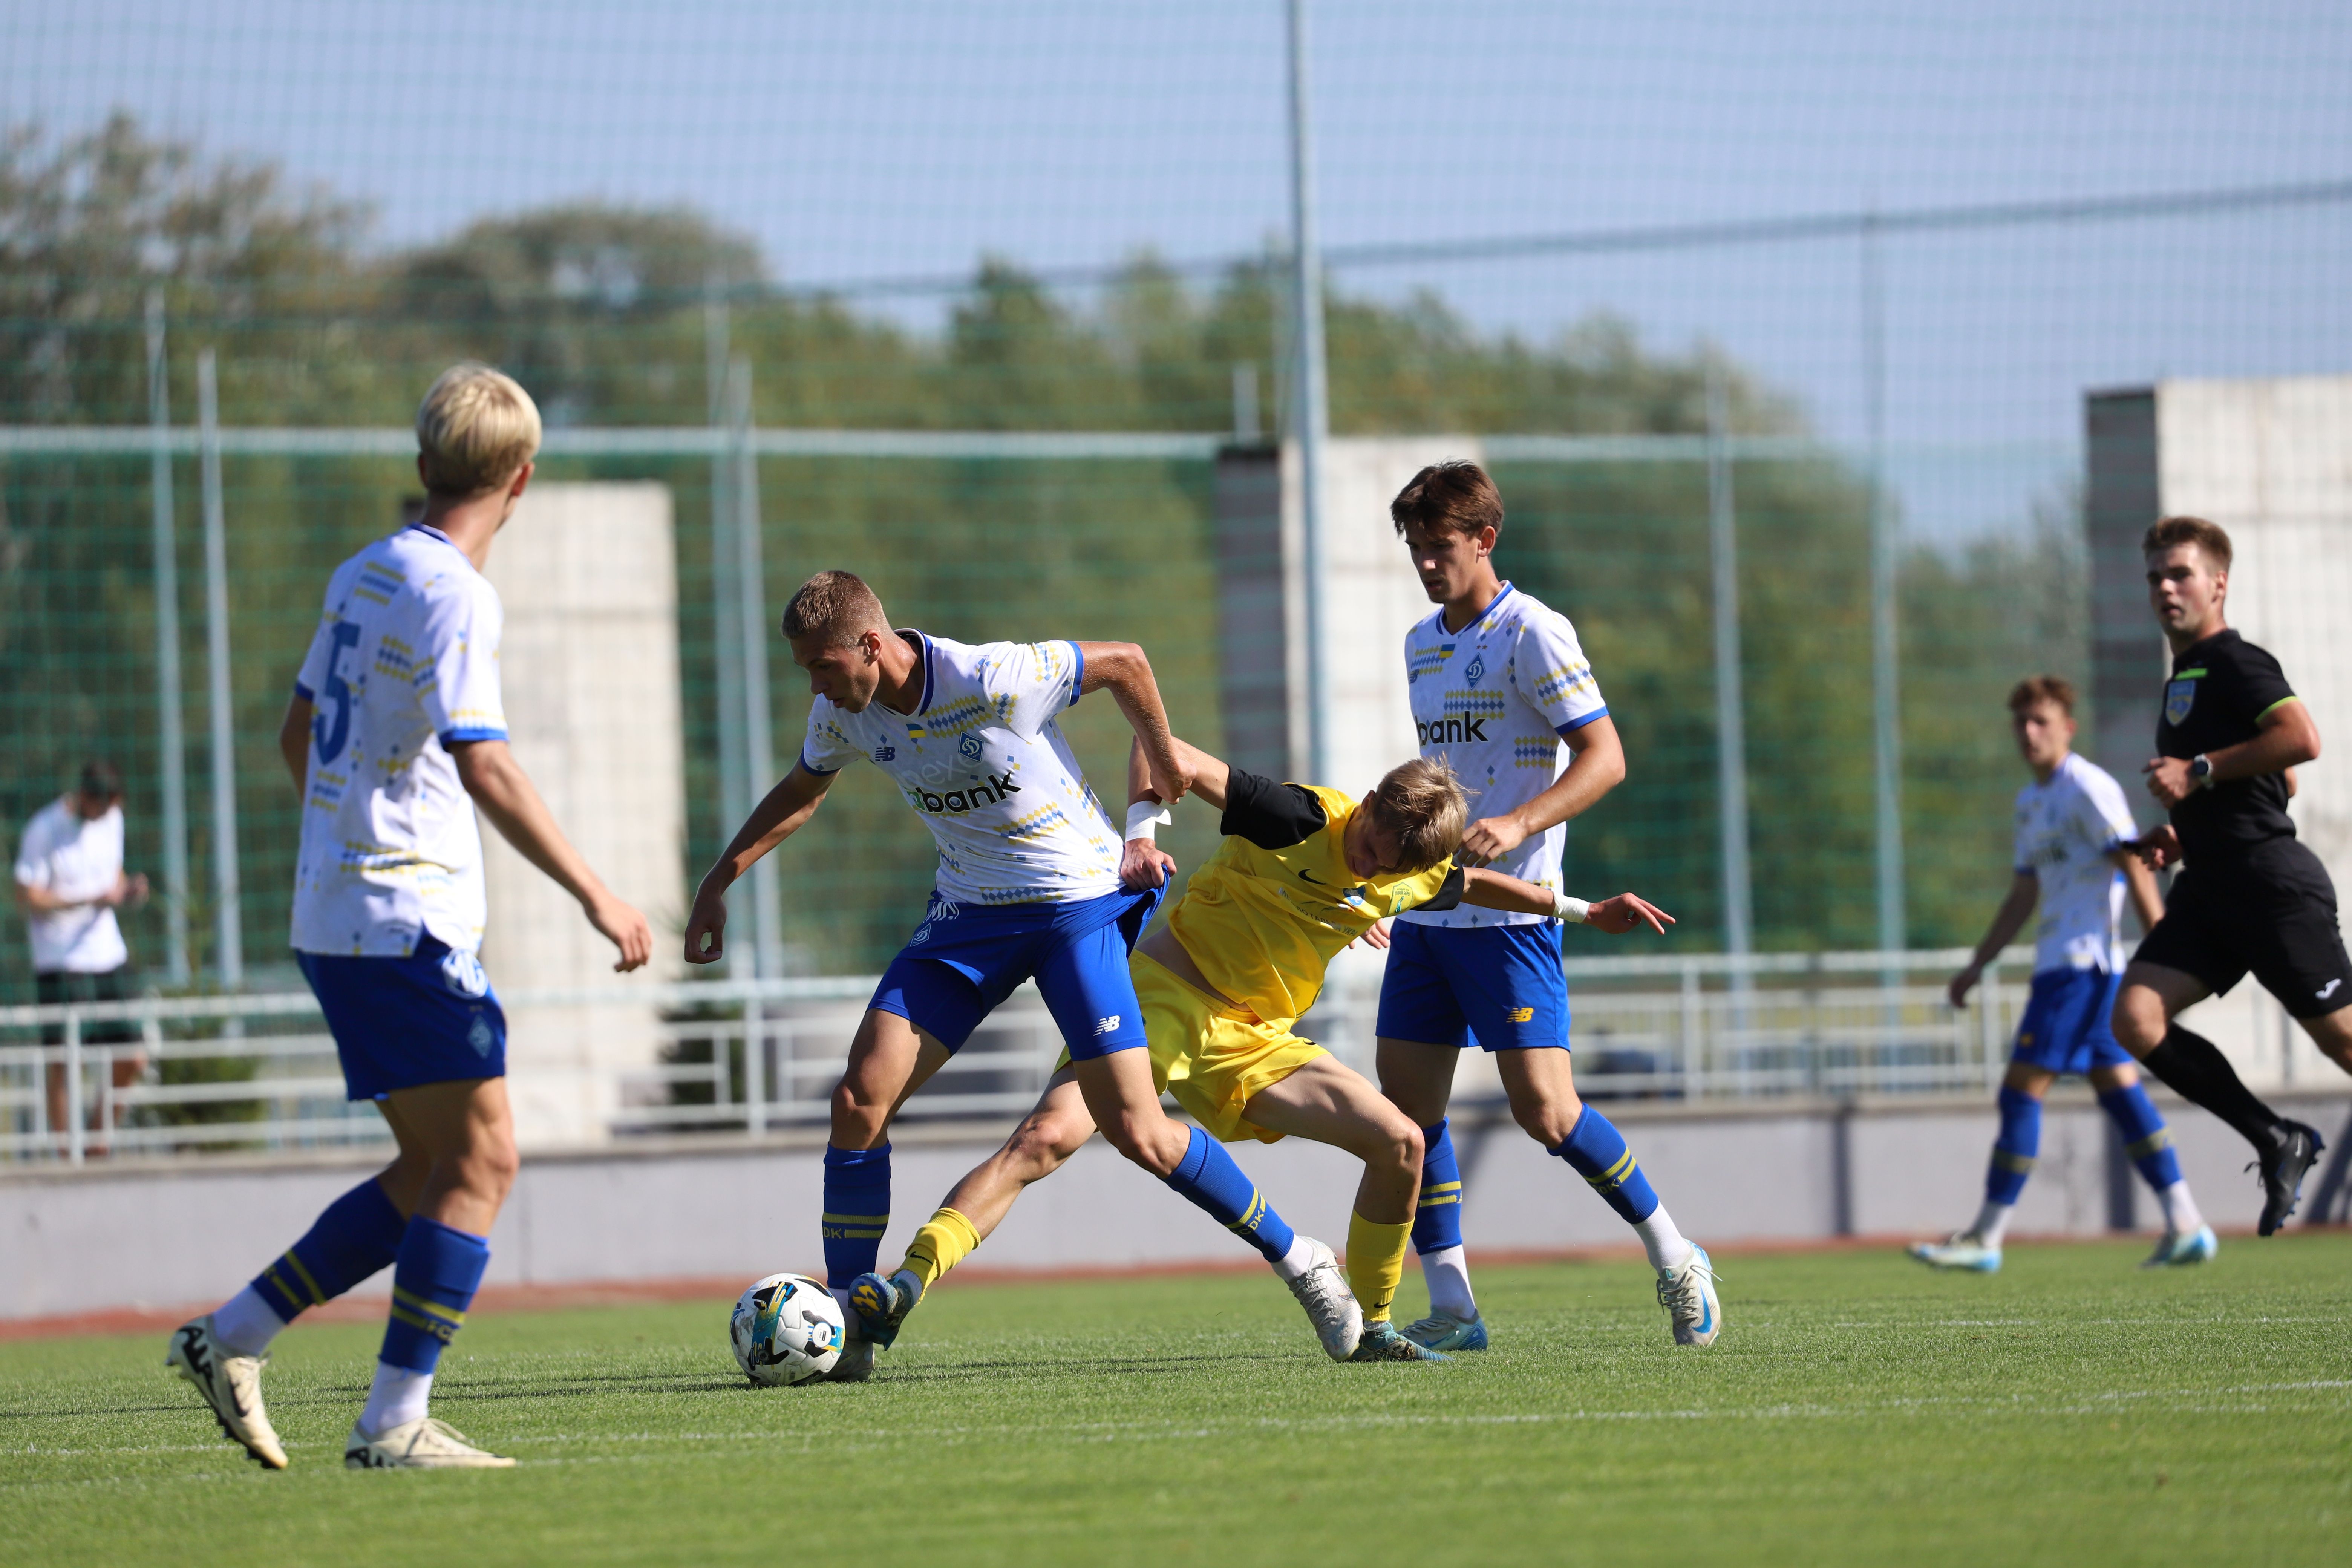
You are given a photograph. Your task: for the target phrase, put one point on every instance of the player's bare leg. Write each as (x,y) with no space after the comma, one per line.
(889,1059)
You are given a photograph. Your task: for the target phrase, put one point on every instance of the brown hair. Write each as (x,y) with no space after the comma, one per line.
(2208,537)
(837,606)
(476,429)
(1423,802)
(1448,497)
(2036,690)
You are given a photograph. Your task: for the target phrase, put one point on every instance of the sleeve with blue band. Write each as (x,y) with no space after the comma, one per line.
(1582,720)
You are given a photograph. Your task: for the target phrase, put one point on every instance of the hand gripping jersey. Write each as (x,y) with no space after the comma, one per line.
(1265,914)
(1494,699)
(982,761)
(2065,829)
(404,665)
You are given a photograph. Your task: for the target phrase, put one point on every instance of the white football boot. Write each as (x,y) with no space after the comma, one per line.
(421,1445)
(854,1365)
(1966,1251)
(1688,1296)
(1331,1306)
(231,1384)
(2181,1249)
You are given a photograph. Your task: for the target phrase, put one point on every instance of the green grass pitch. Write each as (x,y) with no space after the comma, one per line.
(2070,1410)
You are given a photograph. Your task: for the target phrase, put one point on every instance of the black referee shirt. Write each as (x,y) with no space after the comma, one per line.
(2219,692)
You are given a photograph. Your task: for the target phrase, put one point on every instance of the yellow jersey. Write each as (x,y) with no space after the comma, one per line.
(1265,914)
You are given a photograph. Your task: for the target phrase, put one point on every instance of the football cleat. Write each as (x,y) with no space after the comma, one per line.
(1688,1296)
(2282,1166)
(2180,1247)
(1380,1341)
(1331,1306)
(855,1365)
(1445,1331)
(231,1384)
(882,1304)
(1964,1251)
(421,1445)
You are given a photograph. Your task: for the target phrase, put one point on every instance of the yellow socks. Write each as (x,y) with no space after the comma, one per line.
(943,1244)
(1375,1263)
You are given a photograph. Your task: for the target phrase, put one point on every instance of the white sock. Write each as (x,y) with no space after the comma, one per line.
(2181,1216)
(1447,1274)
(244,1323)
(1992,1223)
(398,1397)
(1662,1241)
(1293,1263)
(853,1329)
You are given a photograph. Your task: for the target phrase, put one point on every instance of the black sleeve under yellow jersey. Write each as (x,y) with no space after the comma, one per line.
(1277,815)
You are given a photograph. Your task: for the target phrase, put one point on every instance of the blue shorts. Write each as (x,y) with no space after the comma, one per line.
(964,959)
(1497,987)
(430,1018)
(2065,1027)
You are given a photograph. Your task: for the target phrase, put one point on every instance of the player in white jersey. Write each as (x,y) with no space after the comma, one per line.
(1033,882)
(2073,856)
(1501,692)
(395,733)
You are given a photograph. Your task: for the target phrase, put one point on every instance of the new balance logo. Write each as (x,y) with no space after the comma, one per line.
(998,786)
(2329,989)
(1520,1015)
(1438,732)
(1106,1026)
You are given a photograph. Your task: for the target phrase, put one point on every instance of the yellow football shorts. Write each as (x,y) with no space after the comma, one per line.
(1211,1058)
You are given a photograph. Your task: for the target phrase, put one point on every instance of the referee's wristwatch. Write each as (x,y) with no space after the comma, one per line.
(2200,770)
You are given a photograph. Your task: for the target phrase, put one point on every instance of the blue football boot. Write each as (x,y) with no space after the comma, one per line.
(1445,1331)
(1382,1342)
(1965,1252)
(882,1304)
(2180,1247)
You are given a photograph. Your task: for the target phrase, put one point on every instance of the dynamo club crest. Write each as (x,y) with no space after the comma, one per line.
(2180,696)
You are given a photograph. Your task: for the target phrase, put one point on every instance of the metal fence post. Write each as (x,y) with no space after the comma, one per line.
(726,652)
(1730,728)
(171,738)
(755,1068)
(1886,652)
(228,919)
(1313,402)
(751,621)
(77,1137)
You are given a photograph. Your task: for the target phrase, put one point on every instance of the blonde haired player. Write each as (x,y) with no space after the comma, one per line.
(395,733)
(1303,872)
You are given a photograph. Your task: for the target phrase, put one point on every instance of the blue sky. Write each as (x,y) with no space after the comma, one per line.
(888,139)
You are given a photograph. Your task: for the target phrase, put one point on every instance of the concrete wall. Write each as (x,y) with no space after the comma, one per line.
(114,1236)
(589,666)
(2271,461)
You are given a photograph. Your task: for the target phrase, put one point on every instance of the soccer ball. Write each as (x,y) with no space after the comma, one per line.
(787,1328)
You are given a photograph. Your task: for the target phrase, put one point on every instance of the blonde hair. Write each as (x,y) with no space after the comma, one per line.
(836,606)
(476,429)
(1422,801)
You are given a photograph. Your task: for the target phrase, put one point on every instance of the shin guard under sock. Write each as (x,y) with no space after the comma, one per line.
(433,1282)
(857,1211)
(2196,1070)
(944,1242)
(2146,1138)
(353,1237)
(1209,1178)
(2015,1150)
(1437,1223)
(1375,1264)
(1595,1151)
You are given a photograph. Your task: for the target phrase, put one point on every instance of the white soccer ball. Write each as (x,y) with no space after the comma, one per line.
(786,1328)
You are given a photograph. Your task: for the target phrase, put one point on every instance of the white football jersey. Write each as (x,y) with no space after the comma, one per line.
(1494,699)
(2065,829)
(66,854)
(983,764)
(405,664)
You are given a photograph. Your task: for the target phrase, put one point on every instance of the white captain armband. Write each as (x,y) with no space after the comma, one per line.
(1575,911)
(1142,818)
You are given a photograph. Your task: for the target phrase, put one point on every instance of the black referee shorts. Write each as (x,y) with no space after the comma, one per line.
(2274,916)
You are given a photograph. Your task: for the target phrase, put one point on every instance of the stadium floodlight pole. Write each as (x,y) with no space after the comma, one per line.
(230,923)
(173,738)
(751,617)
(1730,721)
(1314,407)
(726,650)
(1886,650)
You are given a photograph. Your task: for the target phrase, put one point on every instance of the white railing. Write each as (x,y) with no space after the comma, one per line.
(259,1072)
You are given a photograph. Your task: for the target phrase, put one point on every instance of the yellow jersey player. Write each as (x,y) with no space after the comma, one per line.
(1302,872)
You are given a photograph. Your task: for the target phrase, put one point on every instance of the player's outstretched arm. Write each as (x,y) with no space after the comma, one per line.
(491,775)
(1206,776)
(1492,890)
(1122,668)
(780,814)
(2024,892)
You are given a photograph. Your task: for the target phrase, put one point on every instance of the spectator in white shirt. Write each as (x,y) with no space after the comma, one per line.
(69,882)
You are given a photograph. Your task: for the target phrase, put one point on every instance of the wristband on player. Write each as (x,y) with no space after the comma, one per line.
(1142,818)
(1575,911)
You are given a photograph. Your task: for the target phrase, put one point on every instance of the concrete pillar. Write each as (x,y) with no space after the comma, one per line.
(2271,461)
(590,669)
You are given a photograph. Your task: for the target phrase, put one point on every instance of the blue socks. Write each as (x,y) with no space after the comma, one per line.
(2020,1142)
(1437,1223)
(2146,1138)
(1208,1177)
(857,1211)
(433,1282)
(359,1234)
(1596,1151)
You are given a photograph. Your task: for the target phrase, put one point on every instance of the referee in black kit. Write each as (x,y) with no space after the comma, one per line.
(2251,896)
